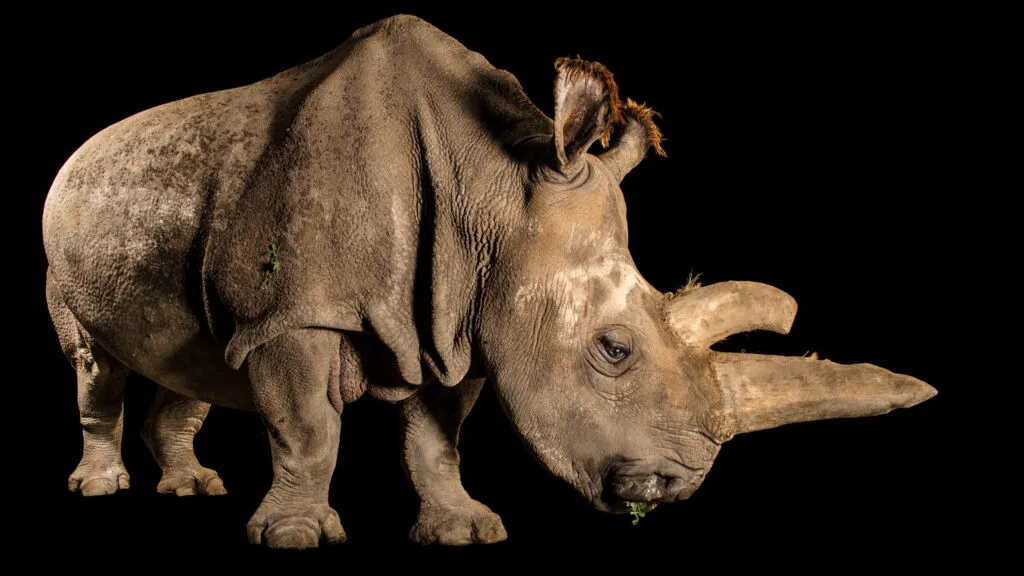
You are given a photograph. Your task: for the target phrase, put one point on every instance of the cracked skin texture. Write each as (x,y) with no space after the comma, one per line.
(433,230)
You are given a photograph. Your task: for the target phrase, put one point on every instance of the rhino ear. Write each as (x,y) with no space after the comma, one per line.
(632,140)
(586,106)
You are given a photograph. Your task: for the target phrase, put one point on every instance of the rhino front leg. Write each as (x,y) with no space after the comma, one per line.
(289,378)
(430,426)
(172,423)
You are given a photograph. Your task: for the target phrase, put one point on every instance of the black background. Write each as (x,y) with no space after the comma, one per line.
(815,151)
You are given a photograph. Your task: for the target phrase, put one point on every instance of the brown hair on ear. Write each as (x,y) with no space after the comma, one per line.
(645,115)
(634,136)
(587,107)
(576,66)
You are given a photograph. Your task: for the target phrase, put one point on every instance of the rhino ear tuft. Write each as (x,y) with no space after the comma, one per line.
(586,107)
(637,134)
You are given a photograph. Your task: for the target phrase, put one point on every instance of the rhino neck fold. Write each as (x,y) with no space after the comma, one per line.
(387,195)
(472,175)
(474,134)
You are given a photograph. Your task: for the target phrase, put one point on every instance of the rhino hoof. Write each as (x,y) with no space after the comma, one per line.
(458,526)
(190,482)
(305,530)
(90,481)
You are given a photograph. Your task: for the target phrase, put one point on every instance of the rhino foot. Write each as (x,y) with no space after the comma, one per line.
(458,525)
(93,480)
(292,529)
(191,481)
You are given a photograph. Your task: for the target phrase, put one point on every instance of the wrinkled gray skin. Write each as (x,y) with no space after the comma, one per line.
(434,230)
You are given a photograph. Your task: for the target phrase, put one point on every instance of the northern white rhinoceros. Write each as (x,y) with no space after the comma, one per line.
(397,218)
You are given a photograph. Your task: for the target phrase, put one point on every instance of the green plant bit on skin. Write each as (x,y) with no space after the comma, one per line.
(640,509)
(271,267)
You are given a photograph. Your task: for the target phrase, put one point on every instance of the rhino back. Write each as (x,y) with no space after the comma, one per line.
(158,229)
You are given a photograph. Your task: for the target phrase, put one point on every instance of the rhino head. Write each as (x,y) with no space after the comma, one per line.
(611,383)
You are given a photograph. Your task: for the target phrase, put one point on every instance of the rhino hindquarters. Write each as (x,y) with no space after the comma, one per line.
(101,379)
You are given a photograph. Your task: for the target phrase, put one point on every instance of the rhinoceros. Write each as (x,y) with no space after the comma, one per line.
(397,218)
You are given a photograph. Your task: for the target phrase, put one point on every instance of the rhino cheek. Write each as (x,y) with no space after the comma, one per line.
(546,321)
(549,421)
(549,406)
(543,442)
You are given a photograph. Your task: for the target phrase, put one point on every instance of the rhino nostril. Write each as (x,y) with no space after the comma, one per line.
(677,489)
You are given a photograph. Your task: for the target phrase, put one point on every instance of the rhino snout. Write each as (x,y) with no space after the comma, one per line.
(651,487)
(641,489)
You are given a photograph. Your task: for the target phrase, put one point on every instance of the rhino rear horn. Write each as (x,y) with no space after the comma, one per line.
(586,107)
(703,316)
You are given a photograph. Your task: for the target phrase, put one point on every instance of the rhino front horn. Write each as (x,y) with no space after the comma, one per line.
(761,391)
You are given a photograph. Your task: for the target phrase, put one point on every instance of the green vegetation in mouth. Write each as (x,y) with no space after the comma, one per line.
(640,509)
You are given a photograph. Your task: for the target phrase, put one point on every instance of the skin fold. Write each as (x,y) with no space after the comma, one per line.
(397,218)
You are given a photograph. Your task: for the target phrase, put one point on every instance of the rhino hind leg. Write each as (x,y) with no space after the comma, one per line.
(101,380)
(431,421)
(289,377)
(172,423)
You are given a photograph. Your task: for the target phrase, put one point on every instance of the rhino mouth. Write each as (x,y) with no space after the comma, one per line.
(652,488)
(627,483)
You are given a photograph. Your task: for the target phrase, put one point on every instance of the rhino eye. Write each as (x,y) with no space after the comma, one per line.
(613,350)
